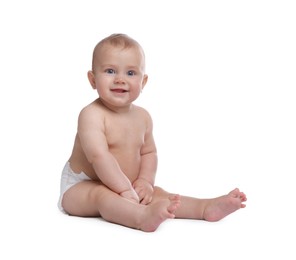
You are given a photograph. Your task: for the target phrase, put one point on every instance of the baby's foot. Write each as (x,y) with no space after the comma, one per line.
(220,207)
(158,212)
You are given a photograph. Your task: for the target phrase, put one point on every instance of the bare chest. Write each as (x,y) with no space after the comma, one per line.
(126,135)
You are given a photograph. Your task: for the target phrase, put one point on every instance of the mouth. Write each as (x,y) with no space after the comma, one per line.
(119,90)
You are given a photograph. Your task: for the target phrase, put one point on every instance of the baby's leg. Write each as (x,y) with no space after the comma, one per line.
(212,209)
(90,199)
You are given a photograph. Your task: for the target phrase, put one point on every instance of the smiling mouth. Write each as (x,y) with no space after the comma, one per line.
(119,90)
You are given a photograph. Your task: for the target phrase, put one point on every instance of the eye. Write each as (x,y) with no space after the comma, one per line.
(110,71)
(131,73)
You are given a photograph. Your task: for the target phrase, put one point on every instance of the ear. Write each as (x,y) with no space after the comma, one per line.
(91,78)
(145,79)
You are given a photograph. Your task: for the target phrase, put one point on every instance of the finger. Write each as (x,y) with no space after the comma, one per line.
(141,194)
(137,189)
(146,200)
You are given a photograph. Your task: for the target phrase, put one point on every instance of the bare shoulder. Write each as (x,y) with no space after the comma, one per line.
(143,112)
(144,116)
(93,107)
(92,113)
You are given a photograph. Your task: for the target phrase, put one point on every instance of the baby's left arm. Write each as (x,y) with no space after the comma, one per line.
(144,184)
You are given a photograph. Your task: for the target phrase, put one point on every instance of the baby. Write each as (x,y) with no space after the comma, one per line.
(111,171)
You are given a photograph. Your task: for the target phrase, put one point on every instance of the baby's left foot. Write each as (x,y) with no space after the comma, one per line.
(220,207)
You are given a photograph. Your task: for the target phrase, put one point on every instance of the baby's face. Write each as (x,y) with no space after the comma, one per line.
(119,74)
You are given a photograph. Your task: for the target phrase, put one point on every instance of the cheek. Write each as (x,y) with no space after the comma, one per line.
(102,82)
(137,86)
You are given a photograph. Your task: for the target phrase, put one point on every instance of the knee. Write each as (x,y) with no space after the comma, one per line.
(96,194)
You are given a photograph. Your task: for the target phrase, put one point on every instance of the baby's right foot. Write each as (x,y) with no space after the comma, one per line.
(157,212)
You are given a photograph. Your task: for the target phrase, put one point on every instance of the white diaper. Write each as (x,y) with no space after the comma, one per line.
(68,179)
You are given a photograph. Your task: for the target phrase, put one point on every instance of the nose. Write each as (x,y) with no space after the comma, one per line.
(119,79)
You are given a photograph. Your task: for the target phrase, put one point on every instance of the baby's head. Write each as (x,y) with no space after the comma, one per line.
(118,70)
(117,40)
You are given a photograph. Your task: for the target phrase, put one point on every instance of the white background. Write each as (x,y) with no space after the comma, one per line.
(221,91)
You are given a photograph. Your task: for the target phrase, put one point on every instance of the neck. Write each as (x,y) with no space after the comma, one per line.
(116,109)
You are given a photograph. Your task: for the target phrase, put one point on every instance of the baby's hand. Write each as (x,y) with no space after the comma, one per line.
(130,195)
(144,190)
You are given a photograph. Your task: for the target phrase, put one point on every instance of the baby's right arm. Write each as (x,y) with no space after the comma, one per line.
(130,195)
(95,146)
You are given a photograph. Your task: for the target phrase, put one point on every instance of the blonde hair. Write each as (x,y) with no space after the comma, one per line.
(116,40)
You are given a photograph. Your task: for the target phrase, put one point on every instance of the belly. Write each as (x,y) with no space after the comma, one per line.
(129,163)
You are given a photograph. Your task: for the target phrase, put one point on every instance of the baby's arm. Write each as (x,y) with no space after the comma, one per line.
(144,184)
(95,146)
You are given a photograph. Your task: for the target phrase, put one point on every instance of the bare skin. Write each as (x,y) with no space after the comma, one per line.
(155,213)
(213,209)
(164,205)
(220,207)
(90,199)
(115,148)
